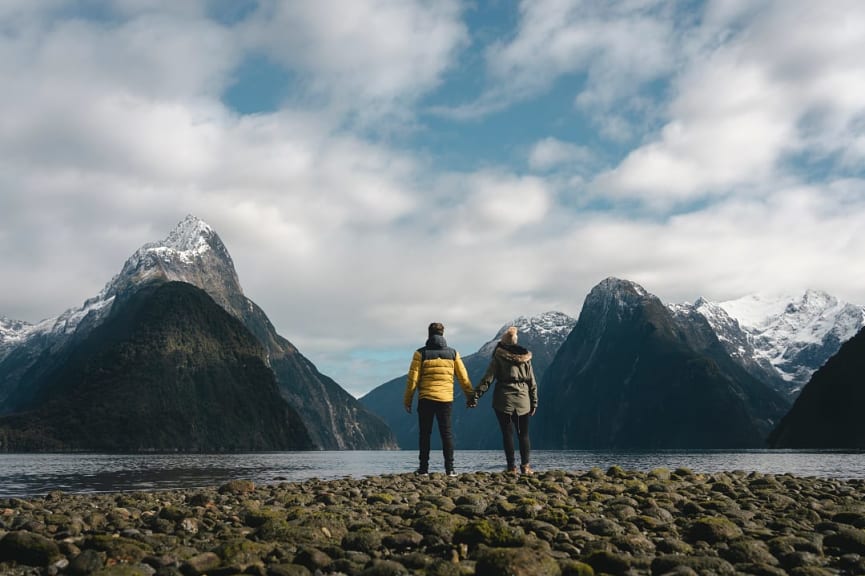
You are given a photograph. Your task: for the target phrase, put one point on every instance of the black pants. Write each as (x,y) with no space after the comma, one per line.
(507,422)
(441,411)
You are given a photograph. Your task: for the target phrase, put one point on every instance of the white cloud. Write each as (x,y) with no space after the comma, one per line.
(789,83)
(368,56)
(553,153)
(620,48)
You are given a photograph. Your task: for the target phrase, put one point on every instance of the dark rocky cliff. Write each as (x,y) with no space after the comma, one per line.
(630,376)
(167,370)
(828,412)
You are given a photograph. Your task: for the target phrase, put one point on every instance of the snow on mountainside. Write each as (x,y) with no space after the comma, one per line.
(12,331)
(545,330)
(794,335)
(191,249)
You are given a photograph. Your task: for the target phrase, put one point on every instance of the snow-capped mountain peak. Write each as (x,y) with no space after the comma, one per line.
(793,334)
(12,331)
(189,244)
(190,234)
(192,253)
(545,328)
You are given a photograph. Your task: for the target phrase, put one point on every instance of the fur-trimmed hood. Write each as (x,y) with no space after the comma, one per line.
(512,353)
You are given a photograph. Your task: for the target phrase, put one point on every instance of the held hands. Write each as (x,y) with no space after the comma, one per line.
(472,401)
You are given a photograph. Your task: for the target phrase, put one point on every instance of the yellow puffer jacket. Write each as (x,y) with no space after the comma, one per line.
(432,372)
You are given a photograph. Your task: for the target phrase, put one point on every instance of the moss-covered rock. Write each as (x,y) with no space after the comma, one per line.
(575,568)
(713,529)
(522,561)
(607,562)
(699,564)
(28,548)
(242,552)
(122,550)
(493,533)
(438,524)
(368,540)
(847,540)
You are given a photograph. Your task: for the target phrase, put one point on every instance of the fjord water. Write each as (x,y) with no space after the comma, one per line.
(23,475)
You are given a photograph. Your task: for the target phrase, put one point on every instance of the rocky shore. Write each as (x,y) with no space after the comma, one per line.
(555,522)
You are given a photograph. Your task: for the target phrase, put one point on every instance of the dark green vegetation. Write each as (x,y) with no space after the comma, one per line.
(556,523)
(39,370)
(169,369)
(829,411)
(630,376)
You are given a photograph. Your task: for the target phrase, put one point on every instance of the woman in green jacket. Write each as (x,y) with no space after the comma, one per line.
(515,397)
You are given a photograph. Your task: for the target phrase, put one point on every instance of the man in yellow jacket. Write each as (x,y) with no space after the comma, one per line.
(432,372)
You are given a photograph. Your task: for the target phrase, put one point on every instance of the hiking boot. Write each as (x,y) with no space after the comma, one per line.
(526,469)
(422,471)
(511,471)
(451,473)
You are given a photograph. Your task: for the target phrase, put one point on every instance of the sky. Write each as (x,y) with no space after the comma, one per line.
(377,165)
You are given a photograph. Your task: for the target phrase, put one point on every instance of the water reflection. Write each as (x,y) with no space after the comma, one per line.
(33,474)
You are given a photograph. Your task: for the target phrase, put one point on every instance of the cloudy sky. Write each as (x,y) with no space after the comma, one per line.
(376,165)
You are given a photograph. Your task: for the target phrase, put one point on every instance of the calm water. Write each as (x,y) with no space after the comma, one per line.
(34,474)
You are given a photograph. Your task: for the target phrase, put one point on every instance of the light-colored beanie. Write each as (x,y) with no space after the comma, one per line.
(510,336)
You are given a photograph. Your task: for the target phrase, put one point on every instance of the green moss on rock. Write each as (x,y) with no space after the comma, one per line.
(28,548)
(522,561)
(714,529)
(494,533)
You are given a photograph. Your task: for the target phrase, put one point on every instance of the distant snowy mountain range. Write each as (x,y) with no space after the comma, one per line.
(790,335)
(544,331)
(782,338)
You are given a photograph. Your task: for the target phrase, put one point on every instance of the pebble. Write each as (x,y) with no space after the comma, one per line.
(558,522)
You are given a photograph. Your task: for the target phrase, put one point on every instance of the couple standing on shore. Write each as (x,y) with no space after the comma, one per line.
(515,397)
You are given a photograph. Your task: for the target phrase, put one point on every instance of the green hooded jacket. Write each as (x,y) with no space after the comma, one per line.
(516,390)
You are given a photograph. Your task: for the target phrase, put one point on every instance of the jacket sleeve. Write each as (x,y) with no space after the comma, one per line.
(487,379)
(412,380)
(463,377)
(533,388)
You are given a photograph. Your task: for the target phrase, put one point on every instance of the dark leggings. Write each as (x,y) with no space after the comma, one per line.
(507,422)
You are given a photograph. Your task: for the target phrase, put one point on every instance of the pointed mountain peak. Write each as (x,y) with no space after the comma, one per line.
(545,328)
(551,321)
(190,234)
(614,285)
(190,239)
(615,302)
(700,302)
(192,253)
(615,293)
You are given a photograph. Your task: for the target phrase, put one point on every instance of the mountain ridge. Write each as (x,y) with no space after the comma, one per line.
(630,375)
(194,254)
(827,414)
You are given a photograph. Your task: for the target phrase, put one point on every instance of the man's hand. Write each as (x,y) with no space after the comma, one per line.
(532,413)
(407,408)
(472,400)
